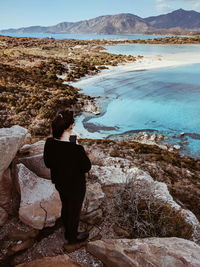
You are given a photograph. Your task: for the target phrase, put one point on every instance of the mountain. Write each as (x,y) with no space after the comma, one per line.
(179,20)
(110,24)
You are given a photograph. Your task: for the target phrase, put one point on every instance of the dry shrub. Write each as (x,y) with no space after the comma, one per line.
(135,209)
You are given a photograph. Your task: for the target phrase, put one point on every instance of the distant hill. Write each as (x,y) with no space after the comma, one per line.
(179,20)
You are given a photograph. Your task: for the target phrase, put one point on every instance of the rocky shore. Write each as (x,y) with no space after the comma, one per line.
(142,201)
(31,88)
(140,198)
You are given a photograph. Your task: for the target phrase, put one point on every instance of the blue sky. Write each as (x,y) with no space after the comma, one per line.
(19,13)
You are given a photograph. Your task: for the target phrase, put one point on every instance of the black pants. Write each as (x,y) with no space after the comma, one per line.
(71,208)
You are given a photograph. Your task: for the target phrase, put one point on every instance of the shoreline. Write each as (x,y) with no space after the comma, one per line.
(144,63)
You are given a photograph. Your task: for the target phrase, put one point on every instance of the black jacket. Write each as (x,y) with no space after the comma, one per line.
(67,161)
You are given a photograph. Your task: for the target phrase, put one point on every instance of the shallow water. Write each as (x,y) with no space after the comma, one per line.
(166,100)
(147,49)
(85,36)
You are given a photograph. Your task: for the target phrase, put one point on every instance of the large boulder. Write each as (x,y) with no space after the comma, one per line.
(11,140)
(40,202)
(32,157)
(162,252)
(6,186)
(58,261)
(36,164)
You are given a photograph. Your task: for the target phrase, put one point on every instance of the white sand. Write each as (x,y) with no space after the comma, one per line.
(145,63)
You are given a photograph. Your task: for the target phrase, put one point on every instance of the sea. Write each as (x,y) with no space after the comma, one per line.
(162,100)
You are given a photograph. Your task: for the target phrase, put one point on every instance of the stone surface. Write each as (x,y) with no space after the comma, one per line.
(91,212)
(33,149)
(11,140)
(160,252)
(6,189)
(20,246)
(58,261)
(40,202)
(36,164)
(32,157)
(3,216)
(94,197)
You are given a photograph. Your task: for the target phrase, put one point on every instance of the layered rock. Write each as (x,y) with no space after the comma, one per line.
(40,203)
(11,140)
(146,252)
(59,261)
(92,211)
(6,186)
(3,216)
(32,157)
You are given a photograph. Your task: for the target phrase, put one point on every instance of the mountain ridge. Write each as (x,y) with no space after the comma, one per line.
(123,23)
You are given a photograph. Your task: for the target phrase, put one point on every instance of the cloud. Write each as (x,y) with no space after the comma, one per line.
(163,6)
(167,5)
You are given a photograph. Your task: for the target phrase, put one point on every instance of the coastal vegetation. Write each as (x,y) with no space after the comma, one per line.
(31,88)
(31,91)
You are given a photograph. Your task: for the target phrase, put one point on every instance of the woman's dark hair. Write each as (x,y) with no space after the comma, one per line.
(62,122)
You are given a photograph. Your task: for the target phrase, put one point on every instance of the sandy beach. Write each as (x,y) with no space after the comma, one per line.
(145,63)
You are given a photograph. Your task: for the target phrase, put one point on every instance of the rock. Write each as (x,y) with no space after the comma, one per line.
(40,202)
(93,217)
(11,140)
(21,245)
(144,188)
(108,174)
(120,232)
(58,261)
(32,157)
(36,164)
(6,189)
(160,252)
(93,200)
(91,106)
(177,147)
(33,149)
(18,234)
(3,216)
(94,197)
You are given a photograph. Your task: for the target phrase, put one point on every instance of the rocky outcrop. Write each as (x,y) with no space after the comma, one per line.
(58,261)
(40,203)
(6,186)
(3,216)
(36,164)
(92,211)
(11,140)
(141,188)
(146,252)
(32,157)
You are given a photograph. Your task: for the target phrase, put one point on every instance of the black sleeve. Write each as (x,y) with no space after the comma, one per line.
(48,155)
(84,160)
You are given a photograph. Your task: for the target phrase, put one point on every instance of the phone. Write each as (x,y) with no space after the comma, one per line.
(72,138)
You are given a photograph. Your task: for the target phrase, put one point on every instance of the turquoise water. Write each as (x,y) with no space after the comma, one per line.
(84,36)
(146,49)
(165,100)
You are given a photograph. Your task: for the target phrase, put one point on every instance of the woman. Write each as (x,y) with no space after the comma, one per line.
(68,163)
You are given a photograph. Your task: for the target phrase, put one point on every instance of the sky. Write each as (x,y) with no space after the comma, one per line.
(23,13)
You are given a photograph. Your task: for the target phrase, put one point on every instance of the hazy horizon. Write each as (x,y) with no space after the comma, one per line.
(17,14)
